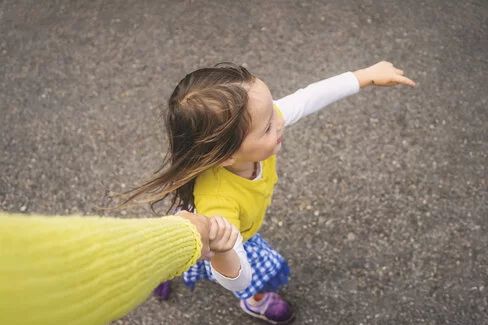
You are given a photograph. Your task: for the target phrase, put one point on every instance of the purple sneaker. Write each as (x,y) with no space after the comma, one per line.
(271,308)
(162,291)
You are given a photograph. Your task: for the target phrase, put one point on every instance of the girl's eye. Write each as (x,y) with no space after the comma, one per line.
(268,129)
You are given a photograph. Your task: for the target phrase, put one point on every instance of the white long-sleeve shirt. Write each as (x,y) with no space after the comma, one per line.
(316,96)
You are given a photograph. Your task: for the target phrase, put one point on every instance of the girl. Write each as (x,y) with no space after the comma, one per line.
(224,131)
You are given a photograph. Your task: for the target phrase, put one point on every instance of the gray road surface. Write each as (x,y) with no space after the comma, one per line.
(381,208)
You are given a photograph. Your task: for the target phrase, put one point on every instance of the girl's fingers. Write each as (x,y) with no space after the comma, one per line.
(214,228)
(223,235)
(400,72)
(221,228)
(231,237)
(404,80)
(228,230)
(222,222)
(234,235)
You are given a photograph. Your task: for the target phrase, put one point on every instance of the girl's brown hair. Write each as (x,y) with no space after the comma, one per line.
(207,120)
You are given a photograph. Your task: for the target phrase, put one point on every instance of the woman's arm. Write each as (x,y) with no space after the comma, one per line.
(87,270)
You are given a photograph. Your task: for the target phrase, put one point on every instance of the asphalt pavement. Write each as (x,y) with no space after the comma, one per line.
(382,204)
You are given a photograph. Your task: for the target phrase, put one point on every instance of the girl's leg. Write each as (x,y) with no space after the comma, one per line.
(266,304)
(258,296)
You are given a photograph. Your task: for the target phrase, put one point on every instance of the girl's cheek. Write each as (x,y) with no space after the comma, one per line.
(281,122)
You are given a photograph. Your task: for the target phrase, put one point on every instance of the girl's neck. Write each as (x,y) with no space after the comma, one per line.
(247,169)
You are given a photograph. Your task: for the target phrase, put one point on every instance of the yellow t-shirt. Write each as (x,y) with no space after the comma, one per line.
(242,201)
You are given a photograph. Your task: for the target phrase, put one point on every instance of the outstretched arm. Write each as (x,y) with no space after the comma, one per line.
(318,95)
(88,270)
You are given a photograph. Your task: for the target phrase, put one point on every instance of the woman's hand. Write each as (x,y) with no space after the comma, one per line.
(202,223)
(382,74)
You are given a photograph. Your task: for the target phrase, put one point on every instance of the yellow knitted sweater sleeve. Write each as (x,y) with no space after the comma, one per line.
(87,270)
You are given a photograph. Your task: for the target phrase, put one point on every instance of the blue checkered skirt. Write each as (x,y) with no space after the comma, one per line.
(270,270)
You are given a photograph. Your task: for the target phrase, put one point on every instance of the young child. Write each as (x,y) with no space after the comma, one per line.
(224,131)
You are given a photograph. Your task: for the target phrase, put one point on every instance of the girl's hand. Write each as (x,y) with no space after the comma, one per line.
(382,74)
(223,235)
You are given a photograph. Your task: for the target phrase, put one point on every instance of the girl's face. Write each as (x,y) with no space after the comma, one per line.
(264,138)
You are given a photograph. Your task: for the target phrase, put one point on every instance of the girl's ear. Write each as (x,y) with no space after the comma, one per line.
(228,162)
